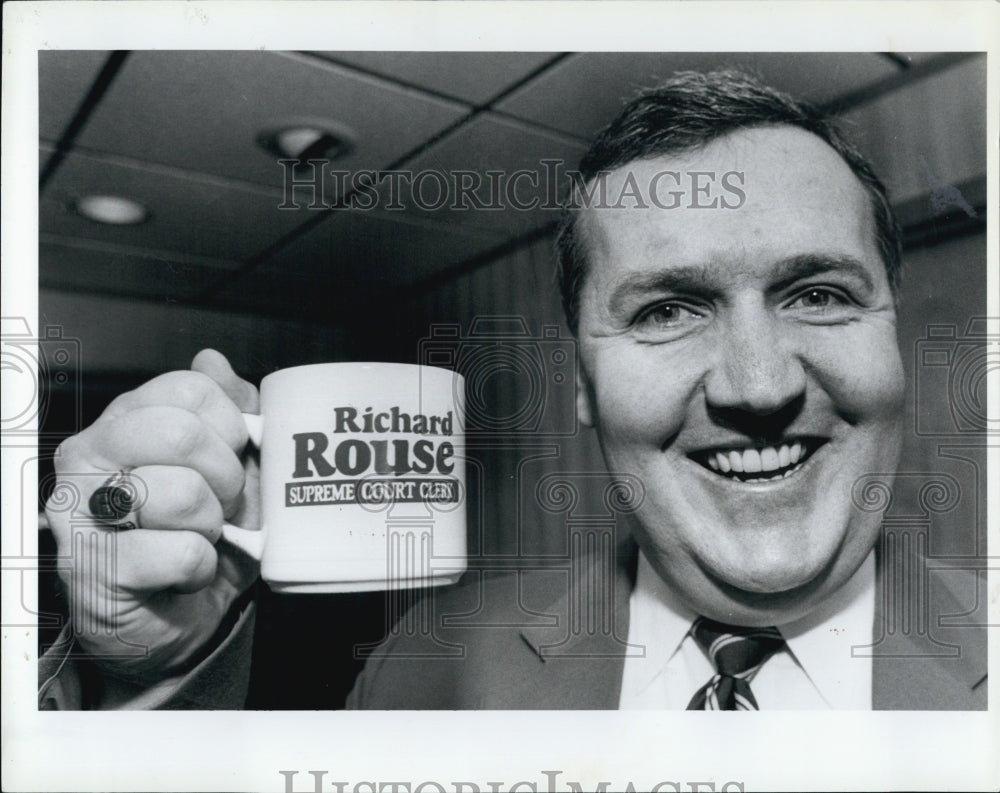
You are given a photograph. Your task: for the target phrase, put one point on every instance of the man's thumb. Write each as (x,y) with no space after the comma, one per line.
(215,365)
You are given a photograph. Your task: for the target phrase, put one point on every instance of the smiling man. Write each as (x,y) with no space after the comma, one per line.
(743,364)
(739,358)
(735,314)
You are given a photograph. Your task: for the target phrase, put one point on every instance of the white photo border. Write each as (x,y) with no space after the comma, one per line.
(248,750)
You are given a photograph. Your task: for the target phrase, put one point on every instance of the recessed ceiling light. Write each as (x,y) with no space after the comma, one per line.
(111,209)
(307,141)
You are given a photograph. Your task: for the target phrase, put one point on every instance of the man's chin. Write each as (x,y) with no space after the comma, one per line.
(772,582)
(770,596)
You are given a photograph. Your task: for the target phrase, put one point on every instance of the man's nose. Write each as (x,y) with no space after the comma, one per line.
(757,369)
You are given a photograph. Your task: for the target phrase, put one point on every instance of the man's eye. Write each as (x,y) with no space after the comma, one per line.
(667,315)
(820,298)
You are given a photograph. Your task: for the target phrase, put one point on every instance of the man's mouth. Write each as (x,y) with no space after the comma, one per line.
(759,463)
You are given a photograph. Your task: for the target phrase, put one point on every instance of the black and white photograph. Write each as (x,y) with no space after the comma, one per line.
(439,410)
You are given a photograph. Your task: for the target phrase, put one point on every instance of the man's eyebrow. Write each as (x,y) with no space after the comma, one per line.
(807,265)
(703,281)
(689,280)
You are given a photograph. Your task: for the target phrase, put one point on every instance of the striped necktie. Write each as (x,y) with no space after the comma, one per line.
(737,654)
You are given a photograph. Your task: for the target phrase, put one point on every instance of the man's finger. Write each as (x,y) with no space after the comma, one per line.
(151,561)
(178,498)
(166,436)
(195,392)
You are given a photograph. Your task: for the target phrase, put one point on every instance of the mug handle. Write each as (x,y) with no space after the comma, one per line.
(250,542)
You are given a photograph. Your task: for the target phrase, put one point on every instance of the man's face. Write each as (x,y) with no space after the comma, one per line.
(743,363)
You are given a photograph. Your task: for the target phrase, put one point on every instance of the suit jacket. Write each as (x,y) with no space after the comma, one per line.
(548,639)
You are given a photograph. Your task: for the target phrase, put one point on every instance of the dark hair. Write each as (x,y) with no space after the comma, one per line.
(689,111)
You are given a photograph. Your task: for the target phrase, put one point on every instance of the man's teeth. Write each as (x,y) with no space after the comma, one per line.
(753,461)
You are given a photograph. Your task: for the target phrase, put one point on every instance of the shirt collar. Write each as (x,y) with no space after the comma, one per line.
(821,642)
(657,620)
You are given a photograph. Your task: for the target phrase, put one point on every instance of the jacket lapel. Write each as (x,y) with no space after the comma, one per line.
(578,661)
(927,652)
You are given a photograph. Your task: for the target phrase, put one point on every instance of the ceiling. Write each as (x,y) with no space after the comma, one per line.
(178,130)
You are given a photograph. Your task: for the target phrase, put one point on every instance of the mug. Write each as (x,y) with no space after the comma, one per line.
(362,478)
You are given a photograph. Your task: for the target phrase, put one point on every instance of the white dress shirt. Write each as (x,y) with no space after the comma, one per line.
(815,671)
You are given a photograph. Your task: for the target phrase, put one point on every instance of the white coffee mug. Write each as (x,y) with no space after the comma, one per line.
(362,478)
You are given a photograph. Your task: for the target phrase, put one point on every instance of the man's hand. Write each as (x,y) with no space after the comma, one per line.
(147,600)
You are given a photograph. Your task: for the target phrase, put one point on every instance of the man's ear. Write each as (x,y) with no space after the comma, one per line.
(584,398)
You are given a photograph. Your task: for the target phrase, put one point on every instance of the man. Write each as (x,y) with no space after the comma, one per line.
(734,304)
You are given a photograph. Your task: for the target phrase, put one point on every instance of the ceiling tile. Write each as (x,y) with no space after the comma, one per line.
(379,248)
(910,134)
(202,111)
(110,271)
(475,77)
(583,93)
(521,194)
(344,261)
(64,78)
(187,217)
(917,58)
(817,77)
